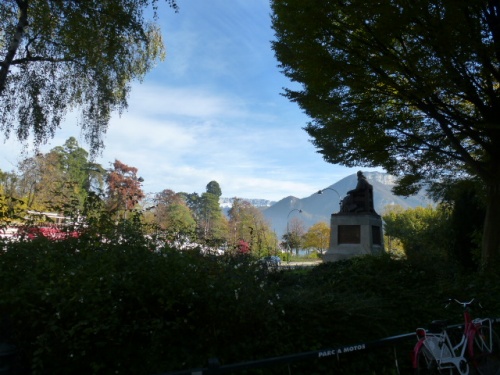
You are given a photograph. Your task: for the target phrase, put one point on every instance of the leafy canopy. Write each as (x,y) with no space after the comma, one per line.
(57,56)
(409,86)
(317,237)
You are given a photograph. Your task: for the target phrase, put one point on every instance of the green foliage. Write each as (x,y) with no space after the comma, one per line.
(317,237)
(12,210)
(390,75)
(58,55)
(213,224)
(130,305)
(121,307)
(57,181)
(450,231)
(247,223)
(423,231)
(171,215)
(213,187)
(12,207)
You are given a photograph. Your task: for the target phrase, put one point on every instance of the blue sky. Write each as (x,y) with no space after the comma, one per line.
(213,110)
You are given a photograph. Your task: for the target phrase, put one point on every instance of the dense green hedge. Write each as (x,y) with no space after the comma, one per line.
(82,306)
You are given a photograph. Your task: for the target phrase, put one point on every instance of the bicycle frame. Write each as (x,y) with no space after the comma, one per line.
(442,350)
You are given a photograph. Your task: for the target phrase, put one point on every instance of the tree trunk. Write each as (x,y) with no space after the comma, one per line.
(491,232)
(14,43)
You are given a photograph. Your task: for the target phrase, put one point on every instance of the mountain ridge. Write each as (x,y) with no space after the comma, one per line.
(319,207)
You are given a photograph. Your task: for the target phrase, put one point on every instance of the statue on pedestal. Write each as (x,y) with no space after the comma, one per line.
(360,199)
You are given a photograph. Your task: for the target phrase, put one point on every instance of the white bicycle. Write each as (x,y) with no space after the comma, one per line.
(476,352)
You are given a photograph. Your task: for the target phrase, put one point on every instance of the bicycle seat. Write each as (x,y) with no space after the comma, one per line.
(437,326)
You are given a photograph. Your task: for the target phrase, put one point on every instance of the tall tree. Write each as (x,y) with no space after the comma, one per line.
(247,223)
(172,214)
(213,187)
(124,187)
(12,207)
(56,55)
(411,86)
(9,183)
(422,230)
(193,201)
(40,182)
(317,237)
(212,223)
(77,172)
(60,179)
(293,238)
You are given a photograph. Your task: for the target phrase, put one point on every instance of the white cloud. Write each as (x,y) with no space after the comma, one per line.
(194,101)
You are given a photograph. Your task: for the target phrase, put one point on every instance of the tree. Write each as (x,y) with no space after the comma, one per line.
(193,201)
(60,179)
(9,183)
(57,55)
(212,223)
(213,187)
(124,187)
(40,182)
(12,207)
(422,231)
(317,237)
(172,214)
(77,172)
(411,86)
(293,237)
(247,223)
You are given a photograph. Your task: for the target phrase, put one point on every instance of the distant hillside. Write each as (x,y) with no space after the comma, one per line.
(319,207)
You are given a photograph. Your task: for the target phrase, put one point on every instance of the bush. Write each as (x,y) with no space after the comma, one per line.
(131,306)
(122,308)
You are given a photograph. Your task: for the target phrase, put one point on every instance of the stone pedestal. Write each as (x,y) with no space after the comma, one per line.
(354,234)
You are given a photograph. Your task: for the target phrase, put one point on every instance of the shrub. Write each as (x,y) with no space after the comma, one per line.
(133,306)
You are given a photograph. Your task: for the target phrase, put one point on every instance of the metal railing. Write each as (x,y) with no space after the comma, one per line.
(215,368)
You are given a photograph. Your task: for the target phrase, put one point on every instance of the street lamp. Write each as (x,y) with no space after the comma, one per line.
(322,190)
(288,229)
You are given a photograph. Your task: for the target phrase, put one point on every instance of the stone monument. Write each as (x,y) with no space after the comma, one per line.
(357,228)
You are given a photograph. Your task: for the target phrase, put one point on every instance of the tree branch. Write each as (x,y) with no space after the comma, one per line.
(38,58)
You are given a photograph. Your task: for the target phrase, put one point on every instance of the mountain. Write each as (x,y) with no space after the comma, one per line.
(319,207)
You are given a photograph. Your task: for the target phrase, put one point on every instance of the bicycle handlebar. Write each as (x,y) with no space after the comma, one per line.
(461,303)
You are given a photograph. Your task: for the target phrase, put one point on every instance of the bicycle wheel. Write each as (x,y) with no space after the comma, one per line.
(486,352)
(426,364)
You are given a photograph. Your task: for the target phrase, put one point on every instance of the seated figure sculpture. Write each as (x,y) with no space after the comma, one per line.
(359,199)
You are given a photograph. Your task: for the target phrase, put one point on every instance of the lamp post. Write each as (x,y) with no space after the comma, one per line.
(288,230)
(322,190)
